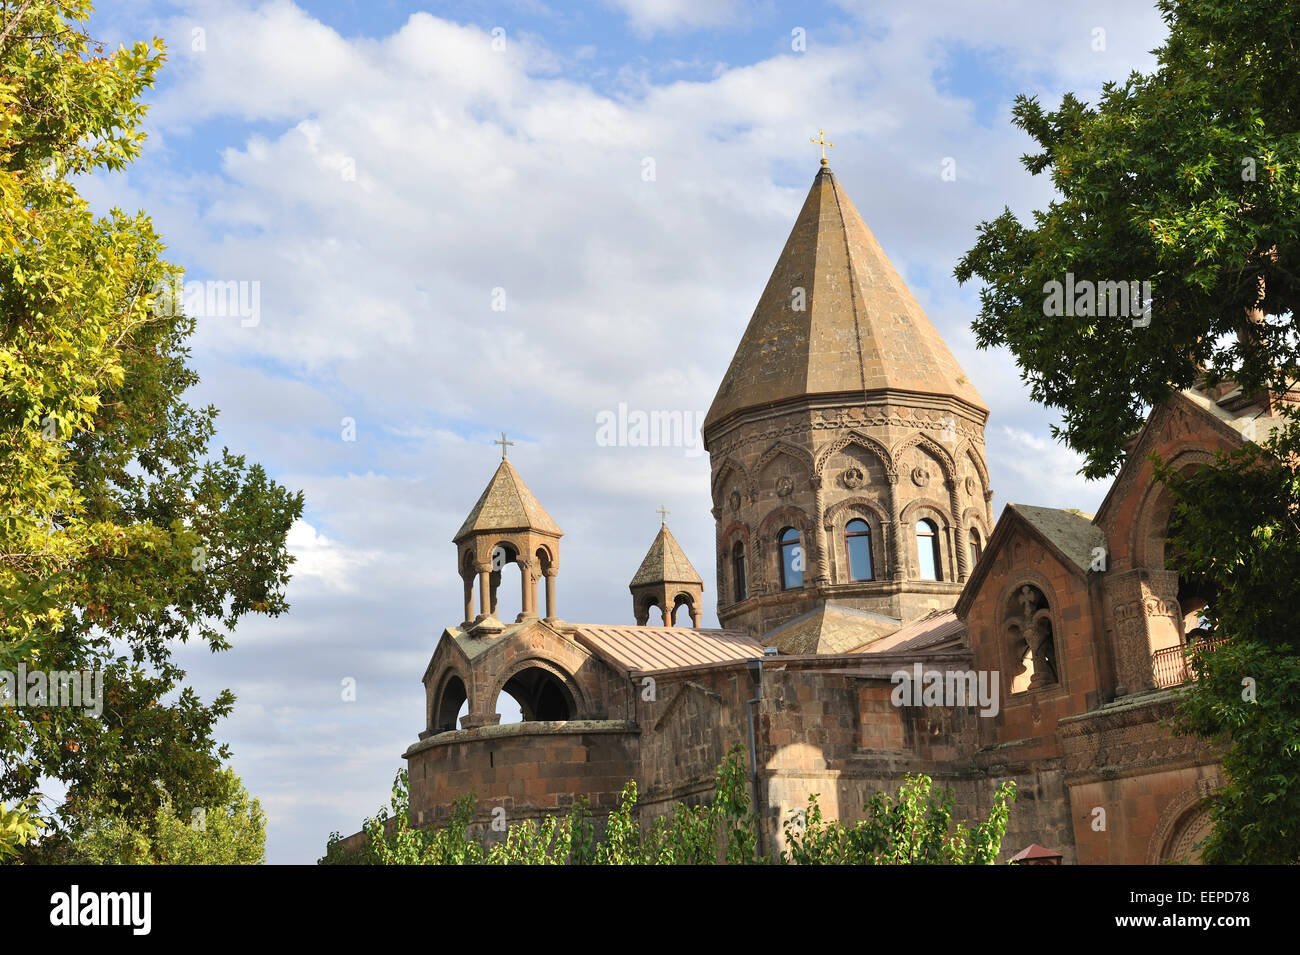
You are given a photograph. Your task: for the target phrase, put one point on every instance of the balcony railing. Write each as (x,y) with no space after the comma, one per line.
(1169,666)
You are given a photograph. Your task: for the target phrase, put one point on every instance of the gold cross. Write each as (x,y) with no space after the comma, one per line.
(821,134)
(504,443)
(663,513)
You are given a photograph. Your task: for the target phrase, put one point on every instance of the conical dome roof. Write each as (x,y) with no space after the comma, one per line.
(506,504)
(666,562)
(860,328)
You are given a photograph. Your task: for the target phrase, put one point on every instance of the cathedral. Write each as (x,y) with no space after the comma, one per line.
(856,550)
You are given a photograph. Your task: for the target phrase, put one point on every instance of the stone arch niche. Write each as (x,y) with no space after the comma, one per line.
(784,471)
(1031,638)
(1185,823)
(451,698)
(854,464)
(732,490)
(542,690)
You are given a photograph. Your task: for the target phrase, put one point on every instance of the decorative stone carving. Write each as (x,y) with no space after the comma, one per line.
(853,478)
(734,501)
(784,487)
(970,486)
(920,476)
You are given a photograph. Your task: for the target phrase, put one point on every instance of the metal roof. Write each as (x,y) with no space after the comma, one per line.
(936,628)
(667,648)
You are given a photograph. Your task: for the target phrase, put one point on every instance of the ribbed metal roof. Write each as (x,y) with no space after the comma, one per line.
(934,629)
(667,648)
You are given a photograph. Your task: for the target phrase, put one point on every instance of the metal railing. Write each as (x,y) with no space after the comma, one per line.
(1170,666)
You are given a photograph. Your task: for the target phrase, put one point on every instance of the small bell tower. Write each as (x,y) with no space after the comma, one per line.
(666,580)
(507,526)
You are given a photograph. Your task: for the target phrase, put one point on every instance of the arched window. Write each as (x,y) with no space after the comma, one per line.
(792,559)
(857,542)
(739,582)
(976,548)
(927,550)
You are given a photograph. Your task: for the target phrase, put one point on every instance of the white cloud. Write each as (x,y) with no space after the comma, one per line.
(648,17)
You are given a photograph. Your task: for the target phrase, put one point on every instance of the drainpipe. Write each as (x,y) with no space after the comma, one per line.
(756,672)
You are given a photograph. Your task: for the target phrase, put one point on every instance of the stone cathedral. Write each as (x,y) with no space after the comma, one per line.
(855,538)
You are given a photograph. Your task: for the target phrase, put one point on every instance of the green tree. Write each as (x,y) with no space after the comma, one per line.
(916,828)
(1238,525)
(19,827)
(230,832)
(1189,178)
(120,533)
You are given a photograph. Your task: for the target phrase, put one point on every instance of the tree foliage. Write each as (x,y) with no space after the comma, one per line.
(1189,178)
(230,832)
(916,828)
(1238,524)
(120,533)
(721,830)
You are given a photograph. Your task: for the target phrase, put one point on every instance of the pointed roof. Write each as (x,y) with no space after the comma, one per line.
(829,627)
(860,329)
(506,504)
(1070,537)
(666,562)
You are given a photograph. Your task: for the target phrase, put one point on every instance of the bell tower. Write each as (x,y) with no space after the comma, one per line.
(846,443)
(507,526)
(667,580)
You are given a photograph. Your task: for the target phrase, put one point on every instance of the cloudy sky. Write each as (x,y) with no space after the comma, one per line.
(470,217)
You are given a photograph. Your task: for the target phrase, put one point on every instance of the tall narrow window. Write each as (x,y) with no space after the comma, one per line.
(857,541)
(975,548)
(741,589)
(927,549)
(792,559)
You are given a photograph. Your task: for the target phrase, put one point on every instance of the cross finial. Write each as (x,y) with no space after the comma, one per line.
(504,444)
(821,139)
(663,513)
(1028,599)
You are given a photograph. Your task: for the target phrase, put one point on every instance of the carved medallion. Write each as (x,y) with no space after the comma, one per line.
(853,478)
(920,476)
(970,486)
(734,501)
(784,487)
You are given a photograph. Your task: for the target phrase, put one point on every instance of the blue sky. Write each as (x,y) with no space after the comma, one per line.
(382,172)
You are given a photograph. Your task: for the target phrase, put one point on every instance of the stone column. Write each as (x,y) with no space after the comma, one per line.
(963,543)
(823,558)
(1147,618)
(550,598)
(469,598)
(484,591)
(526,589)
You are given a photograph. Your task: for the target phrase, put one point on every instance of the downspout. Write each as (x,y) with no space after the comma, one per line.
(756,672)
